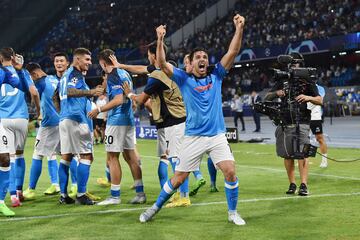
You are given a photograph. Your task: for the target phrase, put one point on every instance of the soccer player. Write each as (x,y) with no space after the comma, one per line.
(48,139)
(200,181)
(6,77)
(61,64)
(161,140)
(75,127)
(168,111)
(316,126)
(14,118)
(119,132)
(205,126)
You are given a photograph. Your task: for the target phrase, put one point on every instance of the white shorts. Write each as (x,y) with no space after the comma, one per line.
(16,133)
(47,141)
(194,147)
(4,143)
(174,136)
(161,142)
(135,136)
(118,138)
(75,137)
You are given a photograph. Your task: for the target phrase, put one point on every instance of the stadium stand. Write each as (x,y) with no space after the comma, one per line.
(300,20)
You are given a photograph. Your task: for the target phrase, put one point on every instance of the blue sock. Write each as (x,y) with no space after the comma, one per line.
(73,167)
(63,176)
(35,171)
(184,188)
(165,194)
(53,170)
(20,171)
(232,194)
(197,175)
(115,191)
(12,178)
(107,172)
(139,186)
(83,172)
(163,172)
(212,171)
(4,181)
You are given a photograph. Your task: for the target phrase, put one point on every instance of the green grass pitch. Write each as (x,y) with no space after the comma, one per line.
(330,212)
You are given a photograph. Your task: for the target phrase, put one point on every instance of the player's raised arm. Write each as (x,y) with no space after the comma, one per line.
(235,45)
(167,68)
(138,69)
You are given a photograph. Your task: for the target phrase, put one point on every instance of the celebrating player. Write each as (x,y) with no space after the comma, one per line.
(205,127)
(75,132)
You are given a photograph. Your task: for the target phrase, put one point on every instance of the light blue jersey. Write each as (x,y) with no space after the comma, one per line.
(203,103)
(46,87)
(121,115)
(12,100)
(73,108)
(7,77)
(321,90)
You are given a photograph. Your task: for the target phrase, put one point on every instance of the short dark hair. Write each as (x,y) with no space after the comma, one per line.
(7,53)
(32,66)
(198,49)
(152,48)
(105,56)
(61,54)
(81,51)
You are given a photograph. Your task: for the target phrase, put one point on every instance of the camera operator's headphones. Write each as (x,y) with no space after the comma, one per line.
(298,56)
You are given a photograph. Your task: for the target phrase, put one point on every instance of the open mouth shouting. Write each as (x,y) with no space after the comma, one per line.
(202,67)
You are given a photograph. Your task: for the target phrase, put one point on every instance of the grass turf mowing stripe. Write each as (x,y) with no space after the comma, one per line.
(279,170)
(253,200)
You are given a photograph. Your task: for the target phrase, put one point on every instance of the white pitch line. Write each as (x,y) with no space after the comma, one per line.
(313,174)
(282,171)
(253,200)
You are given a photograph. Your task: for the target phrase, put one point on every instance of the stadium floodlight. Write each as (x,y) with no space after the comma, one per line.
(112,4)
(358,51)
(247,64)
(342,53)
(134,75)
(238,66)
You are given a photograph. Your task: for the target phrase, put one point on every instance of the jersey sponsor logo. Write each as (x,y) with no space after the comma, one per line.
(203,88)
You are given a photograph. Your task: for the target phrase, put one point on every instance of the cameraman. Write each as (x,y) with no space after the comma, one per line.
(286,135)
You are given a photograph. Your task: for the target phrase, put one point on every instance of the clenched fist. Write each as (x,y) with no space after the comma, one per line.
(239,21)
(161,31)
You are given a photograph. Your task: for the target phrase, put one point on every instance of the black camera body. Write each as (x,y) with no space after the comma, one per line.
(294,73)
(294,80)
